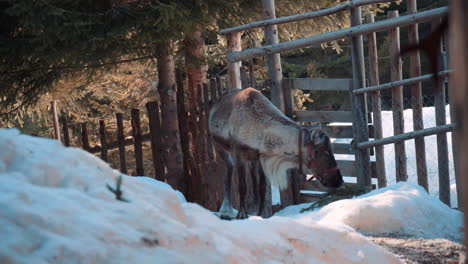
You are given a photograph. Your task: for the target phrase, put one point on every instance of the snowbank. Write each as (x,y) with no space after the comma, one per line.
(55,207)
(404,208)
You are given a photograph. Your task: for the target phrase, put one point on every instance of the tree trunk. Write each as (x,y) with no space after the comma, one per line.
(196,68)
(170,133)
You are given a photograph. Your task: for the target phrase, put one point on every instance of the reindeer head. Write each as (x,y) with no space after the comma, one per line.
(319,159)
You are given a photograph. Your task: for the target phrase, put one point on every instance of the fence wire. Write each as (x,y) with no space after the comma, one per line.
(431,162)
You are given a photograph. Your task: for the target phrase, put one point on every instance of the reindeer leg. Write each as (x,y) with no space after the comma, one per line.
(241,171)
(262,188)
(254,176)
(226,212)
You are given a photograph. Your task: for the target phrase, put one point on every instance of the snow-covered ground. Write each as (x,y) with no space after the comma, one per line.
(431,152)
(55,208)
(403,208)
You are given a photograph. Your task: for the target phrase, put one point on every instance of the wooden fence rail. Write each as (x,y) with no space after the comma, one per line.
(387,24)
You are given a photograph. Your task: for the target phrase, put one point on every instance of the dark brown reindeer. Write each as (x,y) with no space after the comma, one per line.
(247,128)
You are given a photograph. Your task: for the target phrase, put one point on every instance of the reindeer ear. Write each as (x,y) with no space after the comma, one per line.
(317,137)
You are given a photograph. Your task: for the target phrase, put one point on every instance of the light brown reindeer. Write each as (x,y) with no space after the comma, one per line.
(247,128)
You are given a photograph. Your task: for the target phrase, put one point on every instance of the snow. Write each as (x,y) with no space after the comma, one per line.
(403,208)
(55,207)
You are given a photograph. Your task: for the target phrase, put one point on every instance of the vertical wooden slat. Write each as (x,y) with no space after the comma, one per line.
(206,110)
(103,137)
(417,100)
(273,60)
(252,80)
(55,119)
(243,74)
(84,136)
(219,86)
(137,142)
(376,104)
(233,78)
(214,97)
(189,167)
(66,135)
(156,149)
(360,124)
(121,142)
(442,147)
(288,98)
(397,99)
(202,146)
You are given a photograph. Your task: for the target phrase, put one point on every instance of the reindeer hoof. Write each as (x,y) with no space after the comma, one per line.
(241,215)
(225,217)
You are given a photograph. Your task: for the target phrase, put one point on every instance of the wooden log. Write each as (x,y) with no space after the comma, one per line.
(53,106)
(243,75)
(376,104)
(213,96)
(393,84)
(138,146)
(66,135)
(84,136)
(189,170)
(442,147)
(417,100)
(233,77)
(219,86)
(396,73)
(360,123)
(299,17)
(275,73)
(121,142)
(406,136)
(339,34)
(152,109)
(103,137)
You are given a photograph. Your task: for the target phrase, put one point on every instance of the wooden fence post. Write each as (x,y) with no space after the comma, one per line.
(214,97)
(121,142)
(53,105)
(275,72)
(66,135)
(103,136)
(376,104)
(442,147)
(397,99)
(417,100)
(252,80)
(84,136)
(206,115)
(233,78)
(360,124)
(219,86)
(152,109)
(137,142)
(243,75)
(202,144)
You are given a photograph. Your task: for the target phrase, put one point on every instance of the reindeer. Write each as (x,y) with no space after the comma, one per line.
(247,128)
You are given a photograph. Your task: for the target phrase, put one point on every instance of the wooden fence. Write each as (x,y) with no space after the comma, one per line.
(360,94)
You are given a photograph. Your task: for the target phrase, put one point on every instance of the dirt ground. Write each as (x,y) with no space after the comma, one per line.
(423,251)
